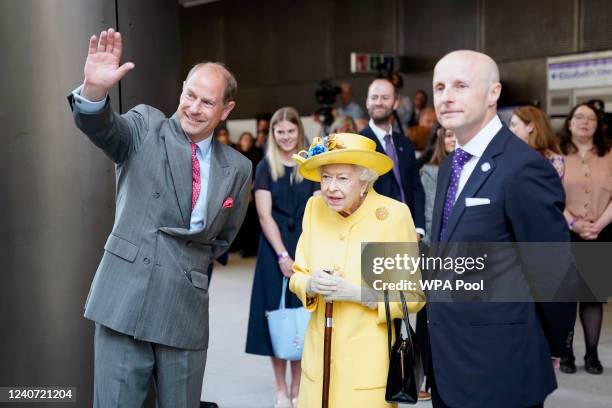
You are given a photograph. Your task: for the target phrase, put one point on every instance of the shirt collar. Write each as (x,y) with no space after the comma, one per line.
(204,145)
(379,132)
(479,143)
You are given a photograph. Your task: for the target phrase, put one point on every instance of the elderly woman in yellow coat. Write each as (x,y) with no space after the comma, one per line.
(347,213)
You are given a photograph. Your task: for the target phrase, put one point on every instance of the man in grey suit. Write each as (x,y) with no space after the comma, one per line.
(181,198)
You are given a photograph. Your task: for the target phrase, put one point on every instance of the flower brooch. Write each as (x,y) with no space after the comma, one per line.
(318,146)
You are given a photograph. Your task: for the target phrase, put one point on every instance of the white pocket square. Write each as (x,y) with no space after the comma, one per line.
(473,201)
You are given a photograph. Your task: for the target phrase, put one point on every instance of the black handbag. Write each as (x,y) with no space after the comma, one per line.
(403,383)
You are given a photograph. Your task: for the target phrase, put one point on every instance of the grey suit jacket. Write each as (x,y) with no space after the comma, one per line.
(151,282)
(429,179)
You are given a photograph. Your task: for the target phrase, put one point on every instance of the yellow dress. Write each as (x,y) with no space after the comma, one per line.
(359,356)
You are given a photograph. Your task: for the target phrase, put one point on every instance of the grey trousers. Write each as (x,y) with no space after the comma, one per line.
(124,368)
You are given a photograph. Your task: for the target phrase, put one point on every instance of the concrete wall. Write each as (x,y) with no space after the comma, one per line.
(279,49)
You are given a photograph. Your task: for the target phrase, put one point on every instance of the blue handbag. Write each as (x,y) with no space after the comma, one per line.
(287,328)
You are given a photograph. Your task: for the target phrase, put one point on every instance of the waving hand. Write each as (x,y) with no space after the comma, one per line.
(102,69)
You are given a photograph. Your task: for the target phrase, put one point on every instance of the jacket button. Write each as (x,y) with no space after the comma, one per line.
(156,195)
(146,261)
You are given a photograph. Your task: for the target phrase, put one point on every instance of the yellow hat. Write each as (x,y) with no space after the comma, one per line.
(341,148)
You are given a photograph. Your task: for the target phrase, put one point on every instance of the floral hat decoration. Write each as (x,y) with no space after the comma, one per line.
(341,148)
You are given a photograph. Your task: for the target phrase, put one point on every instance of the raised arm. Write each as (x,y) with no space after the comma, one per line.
(118,135)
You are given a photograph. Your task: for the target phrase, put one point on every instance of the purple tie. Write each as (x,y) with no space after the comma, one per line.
(459,159)
(390,150)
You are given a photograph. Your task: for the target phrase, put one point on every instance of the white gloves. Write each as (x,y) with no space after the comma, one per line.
(321,283)
(334,287)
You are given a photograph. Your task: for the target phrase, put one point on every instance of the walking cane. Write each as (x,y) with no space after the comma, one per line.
(329,311)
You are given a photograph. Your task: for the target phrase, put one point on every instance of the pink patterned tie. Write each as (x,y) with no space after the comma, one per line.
(195,178)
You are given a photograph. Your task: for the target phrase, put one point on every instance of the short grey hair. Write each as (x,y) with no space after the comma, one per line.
(364,174)
(231,86)
(367,175)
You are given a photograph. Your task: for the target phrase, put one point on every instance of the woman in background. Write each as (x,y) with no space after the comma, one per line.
(281,194)
(531,125)
(445,145)
(344,124)
(247,239)
(588,209)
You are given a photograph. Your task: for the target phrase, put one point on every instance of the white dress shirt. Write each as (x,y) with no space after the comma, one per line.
(380,133)
(476,147)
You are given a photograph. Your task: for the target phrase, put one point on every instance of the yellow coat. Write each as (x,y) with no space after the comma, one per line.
(360,357)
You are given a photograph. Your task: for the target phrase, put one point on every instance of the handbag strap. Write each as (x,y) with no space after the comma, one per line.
(281,306)
(407,322)
(388,314)
(404,318)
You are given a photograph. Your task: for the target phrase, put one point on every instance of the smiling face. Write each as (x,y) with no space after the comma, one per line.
(449,141)
(583,123)
(466,90)
(341,188)
(381,101)
(520,128)
(286,135)
(201,106)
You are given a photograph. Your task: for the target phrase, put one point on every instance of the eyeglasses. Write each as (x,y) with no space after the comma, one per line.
(591,119)
(341,180)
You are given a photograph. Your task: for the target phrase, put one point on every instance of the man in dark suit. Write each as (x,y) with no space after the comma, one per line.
(181,198)
(403,183)
(494,189)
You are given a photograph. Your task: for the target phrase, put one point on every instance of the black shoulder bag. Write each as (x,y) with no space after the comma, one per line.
(402,382)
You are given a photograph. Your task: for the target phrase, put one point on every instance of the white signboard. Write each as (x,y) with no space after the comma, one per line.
(592,70)
(364,63)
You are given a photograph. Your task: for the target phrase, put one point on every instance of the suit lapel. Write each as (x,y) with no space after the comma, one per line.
(399,150)
(480,174)
(476,180)
(219,182)
(444,175)
(401,156)
(368,132)
(179,158)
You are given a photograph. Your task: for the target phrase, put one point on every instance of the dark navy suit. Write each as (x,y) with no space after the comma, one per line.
(498,354)
(411,181)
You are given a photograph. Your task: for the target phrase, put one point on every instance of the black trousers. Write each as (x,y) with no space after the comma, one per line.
(438,403)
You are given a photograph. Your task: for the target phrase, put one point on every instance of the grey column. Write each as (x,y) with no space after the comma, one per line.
(56,195)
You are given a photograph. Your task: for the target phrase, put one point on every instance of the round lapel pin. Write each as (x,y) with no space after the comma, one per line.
(485,167)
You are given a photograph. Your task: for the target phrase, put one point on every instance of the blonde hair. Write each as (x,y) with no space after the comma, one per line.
(289,114)
(342,123)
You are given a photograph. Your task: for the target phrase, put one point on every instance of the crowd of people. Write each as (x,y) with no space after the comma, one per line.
(418,144)
(406,173)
